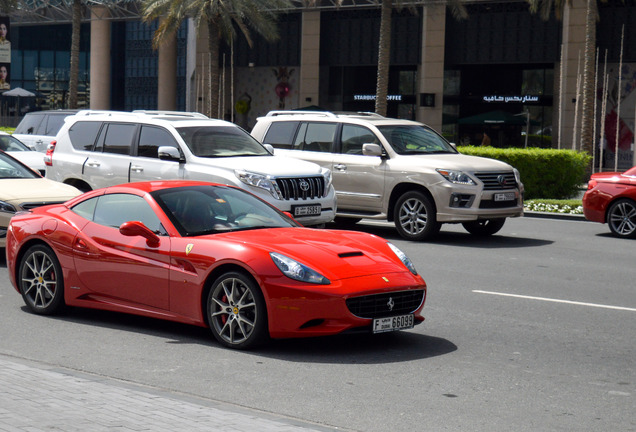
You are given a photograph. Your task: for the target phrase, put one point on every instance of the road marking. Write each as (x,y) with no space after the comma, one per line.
(556,300)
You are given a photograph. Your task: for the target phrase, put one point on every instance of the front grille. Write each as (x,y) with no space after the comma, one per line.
(32,205)
(497,180)
(377,305)
(301,188)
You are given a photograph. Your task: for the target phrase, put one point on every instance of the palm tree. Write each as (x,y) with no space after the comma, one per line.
(545,7)
(7,6)
(75,51)
(384,47)
(222,19)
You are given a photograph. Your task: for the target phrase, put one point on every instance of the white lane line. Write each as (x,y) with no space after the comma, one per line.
(556,300)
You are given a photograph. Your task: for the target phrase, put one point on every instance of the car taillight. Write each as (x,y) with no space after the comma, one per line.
(48,157)
(591,184)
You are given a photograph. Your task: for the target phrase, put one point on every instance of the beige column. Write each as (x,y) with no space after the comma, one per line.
(100,58)
(573,38)
(167,75)
(431,71)
(308,92)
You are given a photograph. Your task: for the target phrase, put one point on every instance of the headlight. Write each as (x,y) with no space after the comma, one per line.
(402,256)
(517,175)
(295,270)
(260,181)
(6,207)
(326,173)
(457,177)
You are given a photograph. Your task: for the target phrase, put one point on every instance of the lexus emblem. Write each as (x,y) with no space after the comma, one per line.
(304,185)
(390,303)
(502,180)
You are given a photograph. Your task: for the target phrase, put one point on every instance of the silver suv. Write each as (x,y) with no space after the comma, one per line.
(398,170)
(103,148)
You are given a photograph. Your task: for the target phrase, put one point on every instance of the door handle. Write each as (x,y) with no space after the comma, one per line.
(93,163)
(137,168)
(340,167)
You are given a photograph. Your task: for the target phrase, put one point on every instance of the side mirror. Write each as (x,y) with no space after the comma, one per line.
(269,148)
(168,153)
(136,228)
(371,150)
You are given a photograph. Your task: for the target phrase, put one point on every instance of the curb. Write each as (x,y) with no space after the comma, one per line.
(552,215)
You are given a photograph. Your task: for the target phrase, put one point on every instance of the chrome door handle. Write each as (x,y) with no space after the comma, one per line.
(93,163)
(340,167)
(137,168)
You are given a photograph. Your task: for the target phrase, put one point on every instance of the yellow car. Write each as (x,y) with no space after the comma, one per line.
(21,188)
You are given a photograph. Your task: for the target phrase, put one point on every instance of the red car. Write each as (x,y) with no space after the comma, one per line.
(209,255)
(611,199)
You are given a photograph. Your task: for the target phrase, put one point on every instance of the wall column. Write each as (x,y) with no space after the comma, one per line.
(100,58)
(431,71)
(167,75)
(573,38)
(308,91)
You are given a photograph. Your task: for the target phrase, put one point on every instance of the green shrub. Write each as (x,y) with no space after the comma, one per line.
(545,173)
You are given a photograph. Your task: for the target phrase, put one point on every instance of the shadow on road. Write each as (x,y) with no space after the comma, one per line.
(341,349)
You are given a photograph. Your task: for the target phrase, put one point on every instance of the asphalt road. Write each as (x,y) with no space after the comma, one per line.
(531,329)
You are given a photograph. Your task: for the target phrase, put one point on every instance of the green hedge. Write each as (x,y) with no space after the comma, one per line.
(545,173)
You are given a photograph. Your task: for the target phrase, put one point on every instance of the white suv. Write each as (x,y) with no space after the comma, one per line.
(103,148)
(398,170)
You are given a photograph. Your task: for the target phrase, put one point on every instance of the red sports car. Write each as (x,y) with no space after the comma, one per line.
(209,255)
(611,198)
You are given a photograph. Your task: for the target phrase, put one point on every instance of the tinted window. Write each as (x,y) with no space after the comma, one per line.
(29,124)
(354,136)
(54,124)
(281,134)
(115,209)
(118,138)
(82,134)
(316,137)
(8,143)
(151,138)
(86,209)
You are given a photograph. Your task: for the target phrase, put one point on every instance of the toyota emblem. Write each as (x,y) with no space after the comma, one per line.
(304,185)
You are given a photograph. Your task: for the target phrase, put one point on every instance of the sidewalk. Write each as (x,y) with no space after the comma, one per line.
(37,397)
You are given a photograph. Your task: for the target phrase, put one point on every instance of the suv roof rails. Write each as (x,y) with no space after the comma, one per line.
(300,112)
(100,112)
(172,113)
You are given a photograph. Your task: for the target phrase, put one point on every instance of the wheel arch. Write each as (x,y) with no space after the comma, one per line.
(79,184)
(20,254)
(401,189)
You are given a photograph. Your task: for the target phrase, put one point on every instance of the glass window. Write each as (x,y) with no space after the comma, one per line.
(220,141)
(115,209)
(317,137)
(281,134)
(151,138)
(83,134)
(54,124)
(86,209)
(407,140)
(29,124)
(354,136)
(118,138)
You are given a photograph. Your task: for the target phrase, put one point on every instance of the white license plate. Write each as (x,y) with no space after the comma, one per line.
(381,325)
(508,196)
(310,210)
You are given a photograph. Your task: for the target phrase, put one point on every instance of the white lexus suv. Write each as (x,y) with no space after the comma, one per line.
(96,149)
(398,170)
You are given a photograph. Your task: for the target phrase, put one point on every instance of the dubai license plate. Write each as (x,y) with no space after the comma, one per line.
(507,196)
(308,210)
(402,322)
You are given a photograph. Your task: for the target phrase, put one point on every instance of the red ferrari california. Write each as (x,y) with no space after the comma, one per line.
(213,256)
(611,198)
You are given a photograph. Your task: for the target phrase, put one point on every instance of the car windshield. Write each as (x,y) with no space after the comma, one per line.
(199,210)
(9,143)
(12,169)
(414,140)
(220,141)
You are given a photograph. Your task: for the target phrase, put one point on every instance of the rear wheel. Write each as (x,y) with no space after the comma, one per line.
(484,227)
(40,280)
(415,217)
(621,218)
(236,311)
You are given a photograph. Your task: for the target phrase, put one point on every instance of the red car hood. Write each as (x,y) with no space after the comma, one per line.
(615,177)
(335,254)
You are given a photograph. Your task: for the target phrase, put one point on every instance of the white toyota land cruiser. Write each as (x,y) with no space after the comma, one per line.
(398,170)
(96,149)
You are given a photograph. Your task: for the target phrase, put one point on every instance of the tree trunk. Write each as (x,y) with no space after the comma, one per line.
(214,47)
(588,91)
(75,49)
(384,58)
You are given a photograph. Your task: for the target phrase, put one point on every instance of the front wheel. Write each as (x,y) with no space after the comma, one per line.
(621,218)
(236,311)
(415,217)
(40,280)
(484,227)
